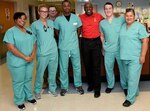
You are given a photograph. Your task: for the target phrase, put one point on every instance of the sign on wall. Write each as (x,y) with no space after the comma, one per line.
(7,13)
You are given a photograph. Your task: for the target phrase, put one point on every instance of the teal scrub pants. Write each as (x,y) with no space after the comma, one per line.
(75,60)
(22,82)
(51,61)
(109,60)
(133,71)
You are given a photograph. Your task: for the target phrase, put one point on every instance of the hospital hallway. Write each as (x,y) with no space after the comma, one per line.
(73,101)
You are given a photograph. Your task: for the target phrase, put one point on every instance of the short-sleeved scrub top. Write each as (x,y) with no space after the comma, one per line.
(46,43)
(111,33)
(24,42)
(68,37)
(130,41)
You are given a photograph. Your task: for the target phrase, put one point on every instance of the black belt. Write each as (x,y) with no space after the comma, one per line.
(91,39)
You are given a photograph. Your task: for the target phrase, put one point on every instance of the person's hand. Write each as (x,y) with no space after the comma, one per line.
(142,60)
(28,59)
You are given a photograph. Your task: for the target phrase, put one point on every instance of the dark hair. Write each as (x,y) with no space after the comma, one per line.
(52,6)
(18,15)
(65,1)
(130,10)
(108,3)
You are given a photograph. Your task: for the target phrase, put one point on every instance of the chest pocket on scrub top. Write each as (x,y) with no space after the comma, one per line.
(74,28)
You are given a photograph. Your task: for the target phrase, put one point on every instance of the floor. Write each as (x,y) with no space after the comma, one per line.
(73,101)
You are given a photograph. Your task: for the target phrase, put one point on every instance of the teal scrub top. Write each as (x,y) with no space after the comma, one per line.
(46,43)
(24,42)
(130,41)
(111,33)
(68,37)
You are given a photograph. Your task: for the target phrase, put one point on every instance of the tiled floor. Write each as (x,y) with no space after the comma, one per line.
(73,101)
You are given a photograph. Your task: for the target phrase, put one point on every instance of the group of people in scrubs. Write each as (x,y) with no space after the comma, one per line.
(125,40)
(117,38)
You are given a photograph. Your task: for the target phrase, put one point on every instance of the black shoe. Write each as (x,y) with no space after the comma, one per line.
(80,90)
(21,107)
(108,90)
(33,101)
(126,103)
(90,88)
(63,92)
(125,92)
(97,94)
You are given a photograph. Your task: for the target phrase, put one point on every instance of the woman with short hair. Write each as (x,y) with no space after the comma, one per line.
(21,46)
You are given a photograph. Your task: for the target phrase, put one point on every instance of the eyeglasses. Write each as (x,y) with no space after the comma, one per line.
(52,10)
(43,11)
(45,28)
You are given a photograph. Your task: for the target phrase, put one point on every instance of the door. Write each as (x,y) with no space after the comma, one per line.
(6,21)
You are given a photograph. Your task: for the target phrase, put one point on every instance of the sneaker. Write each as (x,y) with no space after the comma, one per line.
(53,93)
(38,96)
(80,90)
(21,107)
(63,92)
(33,101)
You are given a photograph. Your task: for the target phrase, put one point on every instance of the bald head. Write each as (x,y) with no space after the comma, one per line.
(88,3)
(88,8)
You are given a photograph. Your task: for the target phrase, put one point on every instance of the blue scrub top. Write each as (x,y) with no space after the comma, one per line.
(111,33)
(46,43)
(130,41)
(24,42)
(68,37)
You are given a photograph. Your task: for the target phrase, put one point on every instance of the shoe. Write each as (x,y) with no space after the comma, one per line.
(126,103)
(21,107)
(53,93)
(97,94)
(33,101)
(38,96)
(63,92)
(80,90)
(90,88)
(108,90)
(125,92)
